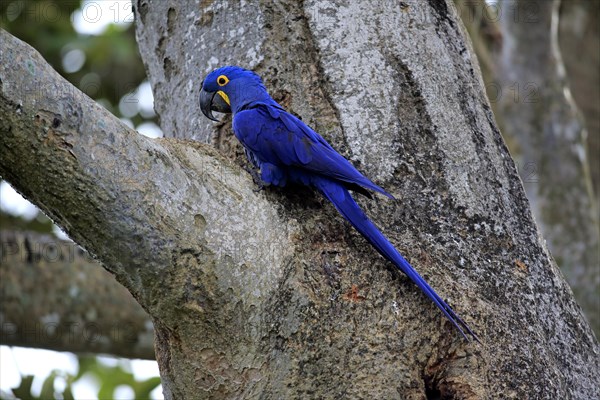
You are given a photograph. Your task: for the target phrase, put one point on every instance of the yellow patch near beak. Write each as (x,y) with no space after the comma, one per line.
(224,97)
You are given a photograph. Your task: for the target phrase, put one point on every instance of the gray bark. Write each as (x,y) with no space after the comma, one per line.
(56,297)
(271,294)
(547,137)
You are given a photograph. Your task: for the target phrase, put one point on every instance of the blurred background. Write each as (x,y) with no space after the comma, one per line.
(540,62)
(91,44)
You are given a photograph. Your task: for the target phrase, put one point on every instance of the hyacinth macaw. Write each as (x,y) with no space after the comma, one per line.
(285,149)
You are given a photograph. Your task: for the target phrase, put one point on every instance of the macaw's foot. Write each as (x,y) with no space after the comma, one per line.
(259,187)
(256,177)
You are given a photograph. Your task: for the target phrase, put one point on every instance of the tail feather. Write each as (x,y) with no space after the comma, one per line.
(345,204)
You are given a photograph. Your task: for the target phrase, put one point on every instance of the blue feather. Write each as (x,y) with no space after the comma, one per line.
(345,204)
(286,140)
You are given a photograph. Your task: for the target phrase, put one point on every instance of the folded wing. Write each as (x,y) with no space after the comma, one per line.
(279,138)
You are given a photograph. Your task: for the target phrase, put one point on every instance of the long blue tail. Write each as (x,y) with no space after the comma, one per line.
(345,204)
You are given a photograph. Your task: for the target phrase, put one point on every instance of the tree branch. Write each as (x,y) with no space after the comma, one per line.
(175,222)
(55,297)
(132,201)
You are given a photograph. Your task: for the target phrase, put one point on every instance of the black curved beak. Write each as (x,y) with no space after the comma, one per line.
(212,101)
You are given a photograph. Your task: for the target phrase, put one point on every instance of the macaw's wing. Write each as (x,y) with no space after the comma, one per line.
(279,138)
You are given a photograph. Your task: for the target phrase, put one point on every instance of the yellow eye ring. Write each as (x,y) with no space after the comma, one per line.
(222,80)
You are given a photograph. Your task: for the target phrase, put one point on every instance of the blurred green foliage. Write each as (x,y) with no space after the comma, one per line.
(111,72)
(41,223)
(59,385)
(112,68)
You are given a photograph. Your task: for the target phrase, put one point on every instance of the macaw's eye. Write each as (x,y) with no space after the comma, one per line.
(222,80)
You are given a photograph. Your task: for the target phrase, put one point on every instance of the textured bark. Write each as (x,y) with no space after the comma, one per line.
(547,137)
(55,297)
(271,294)
(169,219)
(407,106)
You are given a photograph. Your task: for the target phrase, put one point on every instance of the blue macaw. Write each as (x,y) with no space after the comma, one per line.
(285,149)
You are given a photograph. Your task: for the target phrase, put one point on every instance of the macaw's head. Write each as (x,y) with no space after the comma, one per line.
(229,89)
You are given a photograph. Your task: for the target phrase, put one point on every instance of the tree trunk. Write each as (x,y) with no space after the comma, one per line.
(547,136)
(272,294)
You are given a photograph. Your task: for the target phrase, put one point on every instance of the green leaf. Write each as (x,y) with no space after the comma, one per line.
(68,393)
(24,389)
(143,389)
(48,387)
